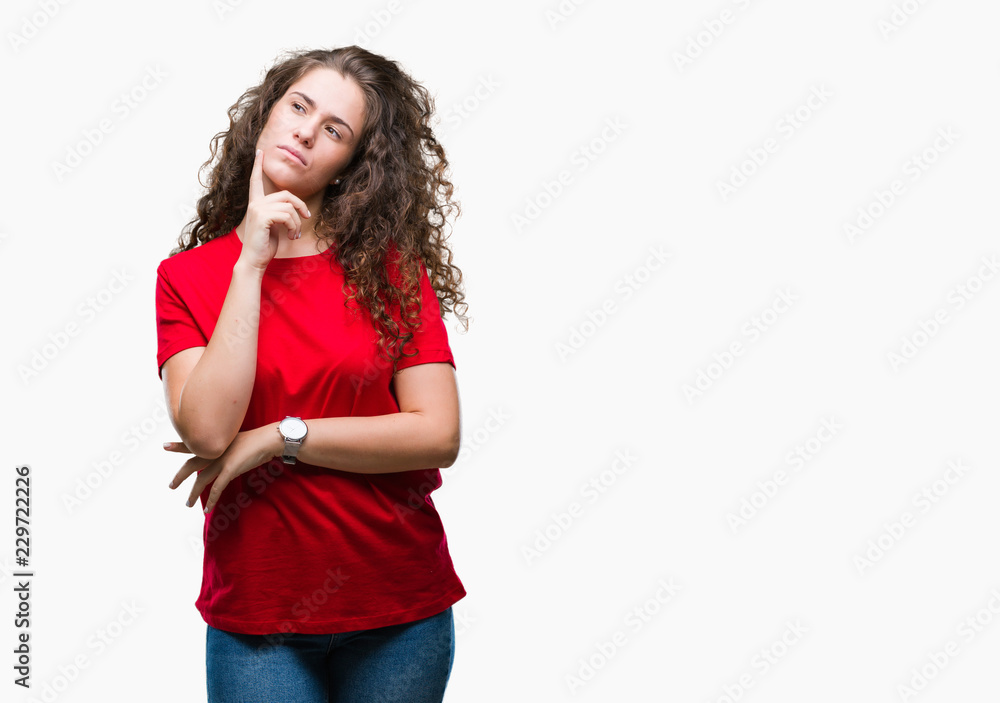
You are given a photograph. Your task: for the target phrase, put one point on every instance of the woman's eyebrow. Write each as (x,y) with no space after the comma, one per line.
(312,103)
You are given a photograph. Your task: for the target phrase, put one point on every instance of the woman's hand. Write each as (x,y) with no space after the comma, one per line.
(248,450)
(267,216)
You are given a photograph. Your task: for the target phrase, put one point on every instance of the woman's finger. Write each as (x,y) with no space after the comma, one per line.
(257,177)
(204,478)
(195,463)
(298,204)
(221,481)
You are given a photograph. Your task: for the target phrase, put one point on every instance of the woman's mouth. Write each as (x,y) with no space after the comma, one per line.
(296,155)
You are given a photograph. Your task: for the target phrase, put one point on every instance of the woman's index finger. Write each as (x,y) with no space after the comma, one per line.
(257,176)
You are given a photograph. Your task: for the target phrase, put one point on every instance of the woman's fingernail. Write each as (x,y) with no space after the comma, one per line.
(170,485)
(167,445)
(187,502)
(206,510)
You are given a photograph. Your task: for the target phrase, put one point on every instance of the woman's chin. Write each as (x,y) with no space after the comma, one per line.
(294,187)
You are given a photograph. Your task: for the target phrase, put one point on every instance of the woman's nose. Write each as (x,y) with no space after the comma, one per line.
(307,130)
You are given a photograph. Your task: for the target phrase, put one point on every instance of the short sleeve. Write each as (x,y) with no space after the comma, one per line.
(176,328)
(430,340)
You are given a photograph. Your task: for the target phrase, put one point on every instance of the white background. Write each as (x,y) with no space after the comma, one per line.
(571,386)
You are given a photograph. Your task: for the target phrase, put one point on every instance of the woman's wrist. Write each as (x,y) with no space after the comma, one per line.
(274,443)
(244,268)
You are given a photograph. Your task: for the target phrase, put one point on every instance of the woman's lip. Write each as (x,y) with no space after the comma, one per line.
(293,154)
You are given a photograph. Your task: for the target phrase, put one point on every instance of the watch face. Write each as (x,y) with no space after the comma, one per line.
(293,428)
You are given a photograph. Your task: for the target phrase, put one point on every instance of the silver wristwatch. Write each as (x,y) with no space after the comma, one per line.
(293,430)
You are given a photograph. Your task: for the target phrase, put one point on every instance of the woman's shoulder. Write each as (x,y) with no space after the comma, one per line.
(208,255)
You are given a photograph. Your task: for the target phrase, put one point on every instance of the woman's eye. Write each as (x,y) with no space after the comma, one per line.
(295,106)
(334,132)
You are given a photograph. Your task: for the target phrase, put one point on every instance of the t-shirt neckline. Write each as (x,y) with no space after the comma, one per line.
(289,263)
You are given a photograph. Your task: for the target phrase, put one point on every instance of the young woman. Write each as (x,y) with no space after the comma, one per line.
(307,369)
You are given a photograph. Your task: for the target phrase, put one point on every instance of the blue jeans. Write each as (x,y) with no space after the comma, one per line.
(409,662)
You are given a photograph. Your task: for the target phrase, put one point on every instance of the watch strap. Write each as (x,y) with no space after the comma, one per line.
(291,450)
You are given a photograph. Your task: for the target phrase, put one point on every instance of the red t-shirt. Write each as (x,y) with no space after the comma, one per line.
(302,548)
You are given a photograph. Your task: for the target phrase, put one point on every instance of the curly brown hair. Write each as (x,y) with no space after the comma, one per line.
(392,203)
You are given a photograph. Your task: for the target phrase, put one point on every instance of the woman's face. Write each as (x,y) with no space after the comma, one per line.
(311,133)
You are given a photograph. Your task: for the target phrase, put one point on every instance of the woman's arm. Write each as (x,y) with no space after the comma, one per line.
(208,388)
(424,434)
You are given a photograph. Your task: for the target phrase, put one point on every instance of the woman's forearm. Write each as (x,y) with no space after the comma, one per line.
(404,441)
(216,394)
